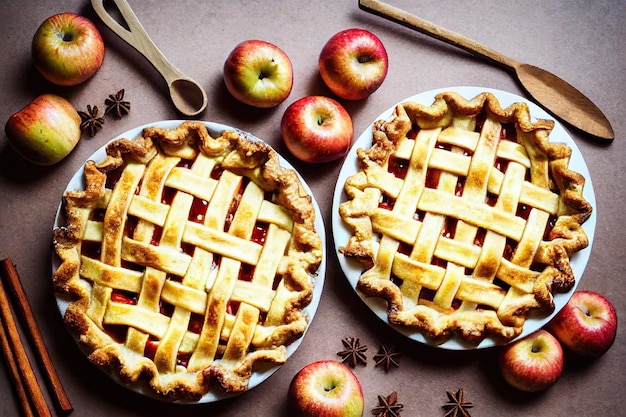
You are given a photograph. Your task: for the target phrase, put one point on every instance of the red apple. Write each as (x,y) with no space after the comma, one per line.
(317,129)
(258,73)
(325,388)
(353,64)
(45,131)
(67,49)
(587,324)
(533,363)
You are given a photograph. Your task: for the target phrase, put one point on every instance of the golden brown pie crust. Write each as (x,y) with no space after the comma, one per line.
(440,239)
(191,265)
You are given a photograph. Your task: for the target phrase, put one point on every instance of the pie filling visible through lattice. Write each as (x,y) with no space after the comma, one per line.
(187,259)
(465,216)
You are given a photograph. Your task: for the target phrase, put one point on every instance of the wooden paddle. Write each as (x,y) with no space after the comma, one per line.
(549,91)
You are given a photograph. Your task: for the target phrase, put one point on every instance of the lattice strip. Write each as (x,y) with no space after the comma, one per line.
(167,258)
(276,242)
(410,194)
(111,276)
(114,221)
(93,231)
(273,213)
(146,209)
(154,215)
(152,189)
(151,322)
(222,243)
(186,296)
(240,336)
(474,213)
(180,295)
(215,315)
(395,226)
(218,208)
(187,181)
(494,244)
(115,216)
(385,181)
(165,356)
(244,219)
(420,273)
(446,294)
(257,295)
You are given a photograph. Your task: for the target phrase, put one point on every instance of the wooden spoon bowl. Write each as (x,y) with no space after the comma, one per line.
(188,96)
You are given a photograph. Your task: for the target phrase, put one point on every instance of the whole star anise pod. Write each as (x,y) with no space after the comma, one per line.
(388,406)
(117,105)
(457,406)
(91,120)
(386,357)
(354,352)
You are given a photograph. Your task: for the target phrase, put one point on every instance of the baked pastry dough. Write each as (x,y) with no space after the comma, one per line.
(187,259)
(464,215)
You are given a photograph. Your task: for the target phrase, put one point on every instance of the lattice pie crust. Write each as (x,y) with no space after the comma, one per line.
(188,259)
(465,216)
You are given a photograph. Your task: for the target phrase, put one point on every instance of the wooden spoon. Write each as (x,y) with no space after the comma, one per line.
(550,91)
(188,96)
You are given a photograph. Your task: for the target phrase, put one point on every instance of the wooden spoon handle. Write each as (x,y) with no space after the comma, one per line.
(413,22)
(137,37)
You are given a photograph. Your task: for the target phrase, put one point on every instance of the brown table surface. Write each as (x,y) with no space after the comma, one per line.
(581,41)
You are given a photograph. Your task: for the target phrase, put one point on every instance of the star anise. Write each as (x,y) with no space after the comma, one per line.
(388,406)
(117,105)
(354,352)
(91,120)
(457,406)
(387,356)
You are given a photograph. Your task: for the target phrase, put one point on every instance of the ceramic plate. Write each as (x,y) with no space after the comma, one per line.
(353,269)
(259,375)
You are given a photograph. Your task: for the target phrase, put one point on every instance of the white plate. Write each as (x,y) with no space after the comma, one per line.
(353,269)
(259,375)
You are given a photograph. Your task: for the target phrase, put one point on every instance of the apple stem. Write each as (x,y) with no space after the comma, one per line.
(585,310)
(66,35)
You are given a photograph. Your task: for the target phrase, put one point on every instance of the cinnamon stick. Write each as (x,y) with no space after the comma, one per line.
(13,282)
(16,349)
(16,378)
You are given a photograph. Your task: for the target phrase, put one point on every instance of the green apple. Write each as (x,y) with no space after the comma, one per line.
(45,131)
(67,49)
(258,73)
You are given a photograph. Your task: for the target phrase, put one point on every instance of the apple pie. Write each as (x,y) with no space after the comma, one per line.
(464,216)
(187,259)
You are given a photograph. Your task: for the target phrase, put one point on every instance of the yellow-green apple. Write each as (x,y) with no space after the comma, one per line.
(67,49)
(587,324)
(258,73)
(45,131)
(317,129)
(353,63)
(532,363)
(325,388)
